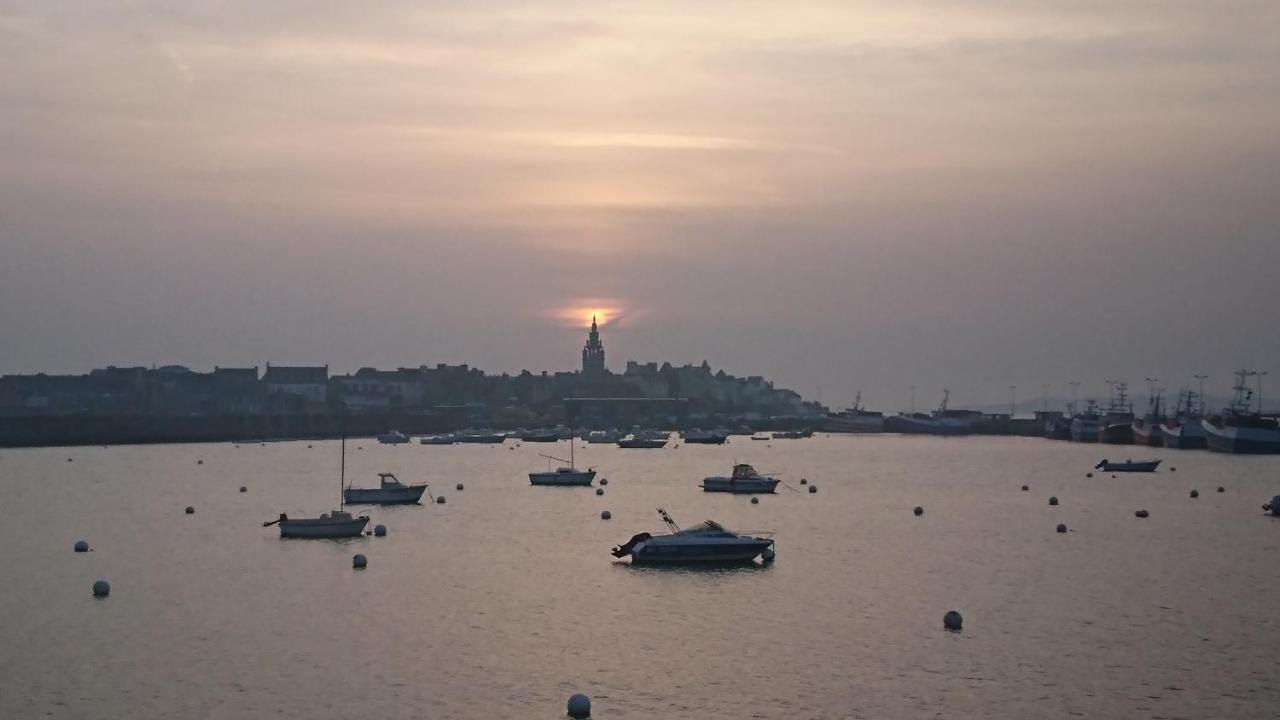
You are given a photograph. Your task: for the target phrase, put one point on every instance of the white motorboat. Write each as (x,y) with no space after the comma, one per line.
(394,437)
(390,491)
(562,475)
(708,543)
(743,480)
(645,439)
(335,524)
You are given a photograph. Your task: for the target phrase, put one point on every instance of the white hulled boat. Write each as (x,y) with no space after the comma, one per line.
(562,475)
(1239,429)
(743,480)
(707,543)
(390,491)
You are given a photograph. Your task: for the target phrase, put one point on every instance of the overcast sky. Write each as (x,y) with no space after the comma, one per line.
(835,195)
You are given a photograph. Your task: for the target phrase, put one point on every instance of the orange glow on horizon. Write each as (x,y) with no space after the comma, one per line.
(580,315)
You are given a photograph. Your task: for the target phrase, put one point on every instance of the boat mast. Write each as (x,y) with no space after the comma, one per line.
(342,475)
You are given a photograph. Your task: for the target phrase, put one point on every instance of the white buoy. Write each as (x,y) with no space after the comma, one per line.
(1062,527)
(813,489)
(579,706)
(918,511)
(380,530)
(605,515)
(1053,500)
(599,491)
(440,500)
(101,588)
(359,561)
(81,546)
(190,510)
(604,481)
(755,501)
(458,486)
(952,620)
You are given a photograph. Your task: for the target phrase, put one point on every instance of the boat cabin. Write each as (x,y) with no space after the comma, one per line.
(743,470)
(389,481)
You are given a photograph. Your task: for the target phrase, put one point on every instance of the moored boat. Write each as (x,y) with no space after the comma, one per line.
(743,480)
(446,439)
(943,421)
(1146,429)
(1184,429)
(855,419)
(1087,426)
(1239,429)
(335,524)
(563,476)
(1127,466)
(603,436)
(471,436)
(698,436)
(1117,423)
(393,437)
(707,543)
(645,439)
(390,491)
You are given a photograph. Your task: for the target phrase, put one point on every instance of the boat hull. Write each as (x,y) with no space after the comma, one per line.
(636,444)
(1120,433)
(1147,433)
(384,496)
(1085,431)
(570,479)
(1184,436)
(1147,466)
(699,553)
(853,423)
(316,529)
(911,425)
(740,486)
(1241,440)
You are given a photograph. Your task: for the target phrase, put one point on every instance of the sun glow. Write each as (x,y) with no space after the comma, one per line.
(581,314)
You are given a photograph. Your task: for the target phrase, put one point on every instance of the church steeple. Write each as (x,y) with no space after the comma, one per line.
(593,352)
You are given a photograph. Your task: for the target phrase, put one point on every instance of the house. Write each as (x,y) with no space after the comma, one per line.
(310,384)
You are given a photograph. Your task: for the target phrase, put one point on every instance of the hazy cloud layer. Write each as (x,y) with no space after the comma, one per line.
(844,194)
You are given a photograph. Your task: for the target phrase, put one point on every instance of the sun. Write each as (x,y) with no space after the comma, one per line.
(580,314)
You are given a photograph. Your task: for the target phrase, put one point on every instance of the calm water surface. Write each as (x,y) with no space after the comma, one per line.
(505,600)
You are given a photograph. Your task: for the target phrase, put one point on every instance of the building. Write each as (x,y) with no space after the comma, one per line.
(593,353)
(308,384)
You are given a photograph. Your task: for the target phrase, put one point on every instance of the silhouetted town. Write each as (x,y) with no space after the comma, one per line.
(176,404)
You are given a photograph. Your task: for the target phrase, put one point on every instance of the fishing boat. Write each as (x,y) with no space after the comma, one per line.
(1183,429)
(1239,429)
(446,439)
(855,419)
(707,543)
(743,480)
(390,491)
(1146,429)
(1087,426)
(943,421)
(562,475)
(335,524)
(645,439)
(1117,423)
(1127,466)
(394,437)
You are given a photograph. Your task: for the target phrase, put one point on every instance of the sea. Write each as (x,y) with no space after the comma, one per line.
(504,600)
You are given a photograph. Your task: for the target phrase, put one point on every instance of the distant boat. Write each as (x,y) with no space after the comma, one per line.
(855,419)
(1117,424)
(698,436)
(1127,466)
(563,475)
(540,435)
(743,480)
(761,437)
(792,434)
(1057,426)
(645,439)
(394,437)
(1146,429)
(1183,429)
(336,524)
(1238,429)
(389,492)
(436,440)
(603,436)
(472,436)
(1087,426)
(707,543)
(943,421)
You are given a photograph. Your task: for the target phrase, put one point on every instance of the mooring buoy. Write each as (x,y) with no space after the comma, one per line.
(101,588)
(380,530)
(952,620)
(440,500)
(1062,527)
(605,515)
(190,510)
(579,706)
(359,561)
(81,546)
(918,511)
(1053,500)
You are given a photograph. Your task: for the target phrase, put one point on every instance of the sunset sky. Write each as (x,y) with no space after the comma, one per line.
(840,195)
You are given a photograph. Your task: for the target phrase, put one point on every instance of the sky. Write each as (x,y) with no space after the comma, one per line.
(840,196)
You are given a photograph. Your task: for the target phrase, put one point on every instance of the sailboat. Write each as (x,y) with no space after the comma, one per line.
(562,475)
(334,524)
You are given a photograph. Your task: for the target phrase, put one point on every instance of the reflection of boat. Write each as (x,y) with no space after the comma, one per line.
(1087,426)
(856,419)
(436,440)
(744,479)
(1127,466)
(562,475)
(336,524)
(648,439)
(1117,424)
(390,491)
(943,421)
(1184,430)
(603,436)
(706,543)
(471,435)
(394,437)
(698,436)
(1239,429)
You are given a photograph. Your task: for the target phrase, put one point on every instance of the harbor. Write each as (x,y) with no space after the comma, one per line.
(507,599)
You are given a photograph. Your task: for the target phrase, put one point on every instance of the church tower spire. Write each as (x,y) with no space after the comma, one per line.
(593,352)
